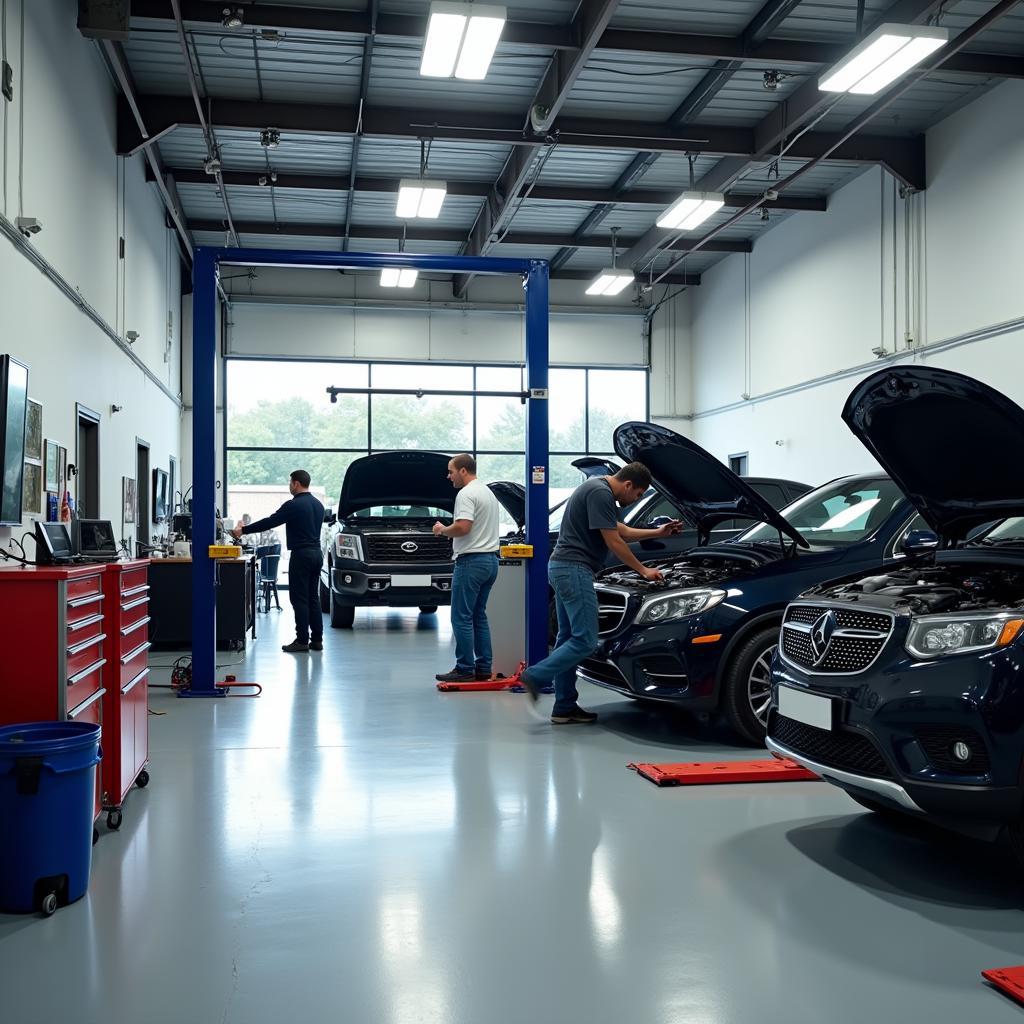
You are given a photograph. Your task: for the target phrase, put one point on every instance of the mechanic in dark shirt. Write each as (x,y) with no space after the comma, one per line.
(303,519)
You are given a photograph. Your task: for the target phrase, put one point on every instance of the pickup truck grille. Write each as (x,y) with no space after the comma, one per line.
(406,548)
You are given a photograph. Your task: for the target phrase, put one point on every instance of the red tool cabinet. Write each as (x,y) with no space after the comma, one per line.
(55,637)
(125,702)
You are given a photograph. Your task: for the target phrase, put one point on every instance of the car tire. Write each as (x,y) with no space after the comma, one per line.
(745,686)
(428,609)
(342,615)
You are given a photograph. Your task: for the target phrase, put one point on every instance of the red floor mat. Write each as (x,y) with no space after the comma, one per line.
(715,772)
(501,683)
(1009,980)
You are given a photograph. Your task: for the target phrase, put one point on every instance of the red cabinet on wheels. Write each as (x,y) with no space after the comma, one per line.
(54,637)
(125,703)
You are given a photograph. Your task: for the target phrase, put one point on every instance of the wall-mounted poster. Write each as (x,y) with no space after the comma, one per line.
(34,431)
(51,483)
(32,495)
(128,499)
(62,468)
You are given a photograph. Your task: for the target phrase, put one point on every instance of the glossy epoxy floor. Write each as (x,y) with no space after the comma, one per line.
(355,847)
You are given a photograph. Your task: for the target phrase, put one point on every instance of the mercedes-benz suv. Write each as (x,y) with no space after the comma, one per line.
(906,687)
(705,637)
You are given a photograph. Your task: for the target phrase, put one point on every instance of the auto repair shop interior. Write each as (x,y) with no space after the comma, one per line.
(770,250)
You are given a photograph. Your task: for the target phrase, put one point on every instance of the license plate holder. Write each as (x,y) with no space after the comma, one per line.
(422,582)
(807,708)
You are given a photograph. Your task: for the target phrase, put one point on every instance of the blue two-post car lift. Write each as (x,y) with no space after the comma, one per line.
(205,269)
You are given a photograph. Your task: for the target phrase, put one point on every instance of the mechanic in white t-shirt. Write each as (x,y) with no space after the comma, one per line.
(474,533)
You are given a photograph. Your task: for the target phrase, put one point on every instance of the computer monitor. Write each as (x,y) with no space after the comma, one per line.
(161,482)
(53,543)
(96,539)
(182,524)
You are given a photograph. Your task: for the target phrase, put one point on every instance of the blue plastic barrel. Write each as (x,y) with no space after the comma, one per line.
(47,800)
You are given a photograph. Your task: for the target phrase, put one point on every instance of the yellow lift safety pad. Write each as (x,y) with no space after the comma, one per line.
(516,551)
(225,551)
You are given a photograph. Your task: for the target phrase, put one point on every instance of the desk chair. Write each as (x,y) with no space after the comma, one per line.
(268,556)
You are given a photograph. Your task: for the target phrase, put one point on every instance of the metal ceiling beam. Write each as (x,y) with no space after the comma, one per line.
(771,52)
(588,25)
(479,189)
(588,275)
(428,234)
(364,87)
(902,152)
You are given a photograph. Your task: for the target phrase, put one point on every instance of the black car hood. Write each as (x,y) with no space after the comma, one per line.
(397,478)
(705,490)
(947,440)
(512,497)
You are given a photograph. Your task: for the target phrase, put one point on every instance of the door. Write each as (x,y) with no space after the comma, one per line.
(143,516)
(87,463)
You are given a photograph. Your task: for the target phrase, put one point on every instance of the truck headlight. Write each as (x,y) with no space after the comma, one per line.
(346,546)
(678,605)
(931,636)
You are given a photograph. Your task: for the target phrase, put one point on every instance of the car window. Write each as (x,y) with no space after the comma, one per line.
(843,512)
(656,509)
(772,493)
(402,512)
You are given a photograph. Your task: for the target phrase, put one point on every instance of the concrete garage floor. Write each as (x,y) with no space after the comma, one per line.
(353,846)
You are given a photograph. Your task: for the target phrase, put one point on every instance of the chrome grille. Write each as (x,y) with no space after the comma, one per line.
(611,610)
(833,641)
(387,548)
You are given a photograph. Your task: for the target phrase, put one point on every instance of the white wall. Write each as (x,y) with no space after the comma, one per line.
(86,198)
(820,292)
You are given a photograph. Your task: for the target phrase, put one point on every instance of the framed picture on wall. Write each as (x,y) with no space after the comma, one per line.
(32,493)
(13,414)
(34,431)
(52,467)
(128,499)
(62,468)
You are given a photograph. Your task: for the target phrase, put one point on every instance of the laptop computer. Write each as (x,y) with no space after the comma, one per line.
(96,541)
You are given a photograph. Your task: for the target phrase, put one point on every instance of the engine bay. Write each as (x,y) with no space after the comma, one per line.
(923,590)
(701,570)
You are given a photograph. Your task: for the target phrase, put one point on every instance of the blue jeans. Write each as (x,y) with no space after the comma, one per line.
(471,585)
(576,605)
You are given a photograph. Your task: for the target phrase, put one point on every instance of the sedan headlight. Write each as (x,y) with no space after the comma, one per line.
(931,636)
(346,546)
(678,605)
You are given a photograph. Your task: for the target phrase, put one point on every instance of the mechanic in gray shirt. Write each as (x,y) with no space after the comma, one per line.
(590,529)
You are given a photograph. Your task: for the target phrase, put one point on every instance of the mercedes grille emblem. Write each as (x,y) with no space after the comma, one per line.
(821,634)
(410,546)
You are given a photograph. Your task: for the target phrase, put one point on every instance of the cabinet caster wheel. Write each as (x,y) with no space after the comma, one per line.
(95,836)
(49,904)
(143,780)
(113,820)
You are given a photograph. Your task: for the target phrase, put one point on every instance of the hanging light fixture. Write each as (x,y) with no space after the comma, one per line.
(461,39)
(692,208)
(419,197)
(611,280)
(882,57)
(398,277)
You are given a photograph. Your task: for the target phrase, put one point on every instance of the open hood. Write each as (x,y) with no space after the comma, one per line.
(706,491)
(592,465)
(512,498)
(949,441)
(397,478)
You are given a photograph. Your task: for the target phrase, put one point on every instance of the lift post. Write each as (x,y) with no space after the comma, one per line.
(205,269)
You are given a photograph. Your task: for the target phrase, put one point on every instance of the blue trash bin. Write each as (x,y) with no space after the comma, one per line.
(47,800)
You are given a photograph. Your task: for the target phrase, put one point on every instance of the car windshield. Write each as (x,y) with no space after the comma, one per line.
(402,512)
(839,513)
(1009,531)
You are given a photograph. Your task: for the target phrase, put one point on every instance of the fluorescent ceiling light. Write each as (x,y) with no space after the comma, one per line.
(610,281)
(461,39)
(880,58)
(419,198)
(690,210)
(392,277)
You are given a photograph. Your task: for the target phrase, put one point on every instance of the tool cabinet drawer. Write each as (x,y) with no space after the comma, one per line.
(84,683)
(83,587)
(132,578)
(84,628)
(83,652)
(134,660)
(133,609)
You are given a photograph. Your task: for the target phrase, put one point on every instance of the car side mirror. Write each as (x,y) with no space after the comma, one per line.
(919,542)
(658,521)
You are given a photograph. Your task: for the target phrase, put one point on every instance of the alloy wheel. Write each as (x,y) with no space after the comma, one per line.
(759,685)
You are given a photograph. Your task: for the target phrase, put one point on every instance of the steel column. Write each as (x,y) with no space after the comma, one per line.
(537,469)
(204,473)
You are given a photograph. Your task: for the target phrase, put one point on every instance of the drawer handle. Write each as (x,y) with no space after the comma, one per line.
(86,644)
(145,646)
(79,676)
(134,604)
(135,625)
(82,623)
(135,682)
(87,703)
(135,590)
(79,601)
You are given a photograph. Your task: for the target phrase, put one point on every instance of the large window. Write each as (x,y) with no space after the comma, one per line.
(279,418)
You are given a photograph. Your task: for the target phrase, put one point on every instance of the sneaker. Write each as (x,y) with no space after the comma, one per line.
(295,647)
(529,686)
(456,676)
(577,716)
(316,645)
(482,677)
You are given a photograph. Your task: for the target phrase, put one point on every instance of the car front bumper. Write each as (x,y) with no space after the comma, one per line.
(361,585)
